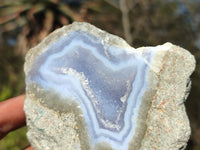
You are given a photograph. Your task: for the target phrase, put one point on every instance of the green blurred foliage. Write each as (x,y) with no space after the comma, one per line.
(24,23)
(15,140)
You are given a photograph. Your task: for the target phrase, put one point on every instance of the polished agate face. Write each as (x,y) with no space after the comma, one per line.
(106,81)
(89,90)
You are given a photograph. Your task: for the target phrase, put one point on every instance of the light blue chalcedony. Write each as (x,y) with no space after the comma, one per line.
(106,81)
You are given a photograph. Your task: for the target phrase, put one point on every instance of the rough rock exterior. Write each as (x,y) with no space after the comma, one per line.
(88,89)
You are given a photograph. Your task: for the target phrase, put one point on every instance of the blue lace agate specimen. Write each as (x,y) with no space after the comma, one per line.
(106,83)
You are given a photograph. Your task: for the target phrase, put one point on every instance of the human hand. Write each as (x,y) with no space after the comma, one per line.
(12,116)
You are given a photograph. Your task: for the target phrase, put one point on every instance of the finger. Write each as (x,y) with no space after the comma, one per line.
(11,115)
(29,148)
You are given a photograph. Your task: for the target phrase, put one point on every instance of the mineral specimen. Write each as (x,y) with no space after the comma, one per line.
(88,89)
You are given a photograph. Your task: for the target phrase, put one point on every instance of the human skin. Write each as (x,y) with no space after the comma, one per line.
(12,116)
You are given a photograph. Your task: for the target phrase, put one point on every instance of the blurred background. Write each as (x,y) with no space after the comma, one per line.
(24,23)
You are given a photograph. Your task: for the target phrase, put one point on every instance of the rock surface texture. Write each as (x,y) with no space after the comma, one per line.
(89,90)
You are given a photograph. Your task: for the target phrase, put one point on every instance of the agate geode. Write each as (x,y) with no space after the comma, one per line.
(88,89)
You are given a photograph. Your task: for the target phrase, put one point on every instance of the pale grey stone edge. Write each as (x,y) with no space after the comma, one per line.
(167,122)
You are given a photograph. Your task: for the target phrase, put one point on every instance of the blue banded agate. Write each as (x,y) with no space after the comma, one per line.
(105,80)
